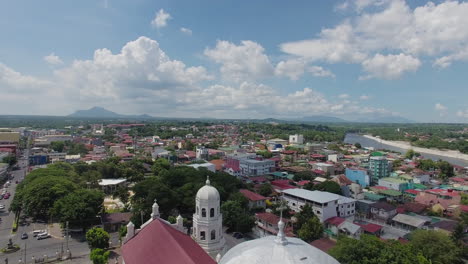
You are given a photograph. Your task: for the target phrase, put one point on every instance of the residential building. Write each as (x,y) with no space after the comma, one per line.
(336,226)
(378,168)
(327,168)
(232,164)
(358,175)
(267,225)
(395,183)
(296,139)
(408,222)
(255,200)
(324,204)
(255,167)
(202,153)
(382,211)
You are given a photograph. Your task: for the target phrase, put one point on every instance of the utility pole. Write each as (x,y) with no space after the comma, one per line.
(66,232)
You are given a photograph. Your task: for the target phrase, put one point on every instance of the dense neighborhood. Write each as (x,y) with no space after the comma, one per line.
(103,178)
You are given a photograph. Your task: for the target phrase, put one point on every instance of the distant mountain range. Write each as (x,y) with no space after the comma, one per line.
(99,112)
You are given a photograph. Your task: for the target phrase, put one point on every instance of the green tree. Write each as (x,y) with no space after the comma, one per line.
(410,154)
(358,145)
(265,153)
(57,146)
(397,163)
(265,190)
(10,160)
(160,165)
(37,197)
(99,256)
(435,246)
(303,217)
(371,250)
(311,230)
(79,208)
(97,238)
(236,218)
(326,186)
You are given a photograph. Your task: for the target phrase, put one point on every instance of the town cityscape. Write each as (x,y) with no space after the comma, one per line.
(234,132)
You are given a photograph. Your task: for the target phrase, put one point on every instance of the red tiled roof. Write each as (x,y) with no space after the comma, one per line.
(303,182)
(160,243)
(380,187)
(251,195)
(369,227)
(317,156)
(321,172)
(283,184)
(464,208)
(336,221)
(411,191)
(270,218)
(219,163)
(258,179)
(324,244)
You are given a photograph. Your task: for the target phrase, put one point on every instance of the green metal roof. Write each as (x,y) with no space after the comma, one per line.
(390,192)
(373,196)
(419,186)
(376,154)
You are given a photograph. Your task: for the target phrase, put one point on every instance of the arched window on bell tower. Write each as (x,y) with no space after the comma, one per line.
(203,212)
(212,212)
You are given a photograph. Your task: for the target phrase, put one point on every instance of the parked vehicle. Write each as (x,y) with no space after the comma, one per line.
(42,236)
(24,236)
(6,196)
(37,232)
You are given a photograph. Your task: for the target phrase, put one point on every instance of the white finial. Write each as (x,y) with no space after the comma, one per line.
(281,237)
(208,180)
(155,214)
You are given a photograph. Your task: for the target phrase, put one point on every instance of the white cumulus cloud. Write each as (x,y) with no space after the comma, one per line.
(53,59)
(246,61)
(186,31)
(389,66)
(440,107)
(436,30)
(463,113)
(160,19)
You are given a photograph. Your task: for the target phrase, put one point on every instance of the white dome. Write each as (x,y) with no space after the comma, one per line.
(267,250)
(208,193)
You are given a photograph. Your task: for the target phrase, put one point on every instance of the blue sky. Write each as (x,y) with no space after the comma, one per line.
(351,59)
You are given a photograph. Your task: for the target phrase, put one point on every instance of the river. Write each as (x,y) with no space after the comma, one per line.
(367,142)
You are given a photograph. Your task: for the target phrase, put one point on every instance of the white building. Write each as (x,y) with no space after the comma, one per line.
(207,165)
(253,167)
(325,167)
(208,220)
(202,153)
(296,139)
(324,204)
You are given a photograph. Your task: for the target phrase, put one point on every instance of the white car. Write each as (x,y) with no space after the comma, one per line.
(37,232)
(2,206)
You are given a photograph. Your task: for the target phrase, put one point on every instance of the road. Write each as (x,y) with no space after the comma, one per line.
(35,248)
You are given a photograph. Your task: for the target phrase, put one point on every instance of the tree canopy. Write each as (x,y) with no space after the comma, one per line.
(97,238)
